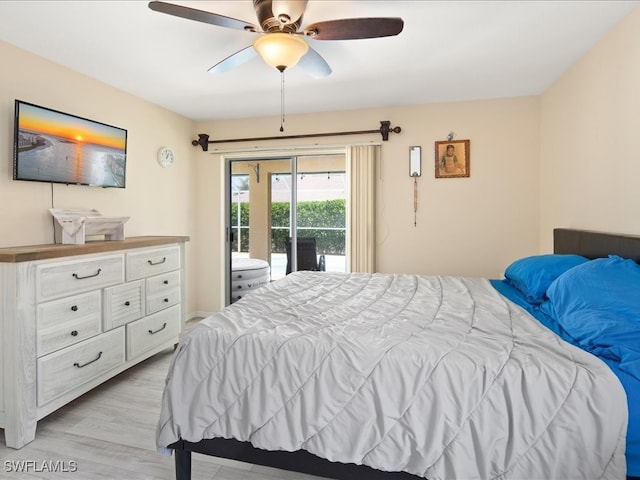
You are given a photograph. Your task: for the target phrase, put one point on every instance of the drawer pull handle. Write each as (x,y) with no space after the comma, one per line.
(78,277)
(166,282)
(166,300)
(164,325)
(239,286)
(151,262)
(74,308)
(74,333)
(89,362)
(239,276)
(127,303)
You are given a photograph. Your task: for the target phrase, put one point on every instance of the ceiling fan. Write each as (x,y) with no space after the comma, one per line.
(281,43)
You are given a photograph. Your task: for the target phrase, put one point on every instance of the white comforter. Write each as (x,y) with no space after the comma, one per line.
(437,376)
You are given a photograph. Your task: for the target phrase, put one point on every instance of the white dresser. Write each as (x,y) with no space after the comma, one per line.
(73,316)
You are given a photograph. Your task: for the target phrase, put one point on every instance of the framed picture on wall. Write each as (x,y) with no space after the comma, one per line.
(453,159)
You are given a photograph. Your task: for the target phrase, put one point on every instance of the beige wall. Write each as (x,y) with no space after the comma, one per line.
(159,201)
(590,160)
(465,226)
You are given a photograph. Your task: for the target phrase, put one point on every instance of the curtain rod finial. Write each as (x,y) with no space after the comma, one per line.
(385,129)
(203,141)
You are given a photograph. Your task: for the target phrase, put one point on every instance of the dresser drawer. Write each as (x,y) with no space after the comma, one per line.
(64,278)
(70,320)
(66,369)
(152,262)
(162,300)
(68,333)
(161,283)
(123,304)
(67,309)
(151,331)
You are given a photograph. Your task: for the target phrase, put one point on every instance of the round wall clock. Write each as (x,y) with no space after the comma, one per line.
(165,157)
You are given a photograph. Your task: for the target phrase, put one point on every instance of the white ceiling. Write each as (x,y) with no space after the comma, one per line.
(448,51)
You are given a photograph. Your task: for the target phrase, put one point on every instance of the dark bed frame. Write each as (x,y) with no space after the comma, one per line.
(582,242)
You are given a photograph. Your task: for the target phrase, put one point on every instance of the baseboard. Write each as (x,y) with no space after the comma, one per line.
(198,314)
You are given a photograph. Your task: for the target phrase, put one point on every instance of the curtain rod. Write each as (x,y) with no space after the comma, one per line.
(314,149)
(384,130)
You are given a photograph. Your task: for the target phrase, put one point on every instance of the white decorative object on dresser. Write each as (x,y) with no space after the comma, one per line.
(74,225)
(73,316)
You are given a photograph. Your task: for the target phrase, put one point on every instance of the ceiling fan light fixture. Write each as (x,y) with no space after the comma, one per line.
(281,50)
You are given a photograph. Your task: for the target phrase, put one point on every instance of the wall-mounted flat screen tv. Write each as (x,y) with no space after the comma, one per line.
(56,147)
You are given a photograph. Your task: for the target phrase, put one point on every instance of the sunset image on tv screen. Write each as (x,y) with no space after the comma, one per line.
(52,146)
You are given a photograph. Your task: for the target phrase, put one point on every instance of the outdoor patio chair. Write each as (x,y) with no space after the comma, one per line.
(307,256)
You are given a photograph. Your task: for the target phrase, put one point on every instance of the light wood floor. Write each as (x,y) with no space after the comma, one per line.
(110,434)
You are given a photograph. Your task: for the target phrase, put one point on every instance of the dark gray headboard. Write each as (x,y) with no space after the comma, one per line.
(596,244)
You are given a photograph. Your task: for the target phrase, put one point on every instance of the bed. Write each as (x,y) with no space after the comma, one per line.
(352,376)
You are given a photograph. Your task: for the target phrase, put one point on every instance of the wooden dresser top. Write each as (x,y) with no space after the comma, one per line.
(55,250)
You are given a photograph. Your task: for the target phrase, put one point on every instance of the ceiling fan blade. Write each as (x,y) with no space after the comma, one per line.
(201,16)
(313,63)
(355,28)
(235,60)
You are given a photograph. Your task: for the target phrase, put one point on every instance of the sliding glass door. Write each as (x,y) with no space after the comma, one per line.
(275,203)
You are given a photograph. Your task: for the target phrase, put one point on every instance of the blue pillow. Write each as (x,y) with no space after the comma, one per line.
(533,275)
(598,305)
(610,284)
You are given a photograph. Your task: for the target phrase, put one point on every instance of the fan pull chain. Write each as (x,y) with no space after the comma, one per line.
(282,100)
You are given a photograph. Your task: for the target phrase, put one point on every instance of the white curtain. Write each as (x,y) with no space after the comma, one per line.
(361,166)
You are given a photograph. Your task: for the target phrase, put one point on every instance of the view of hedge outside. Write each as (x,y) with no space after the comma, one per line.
(323,219)
(240,206)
